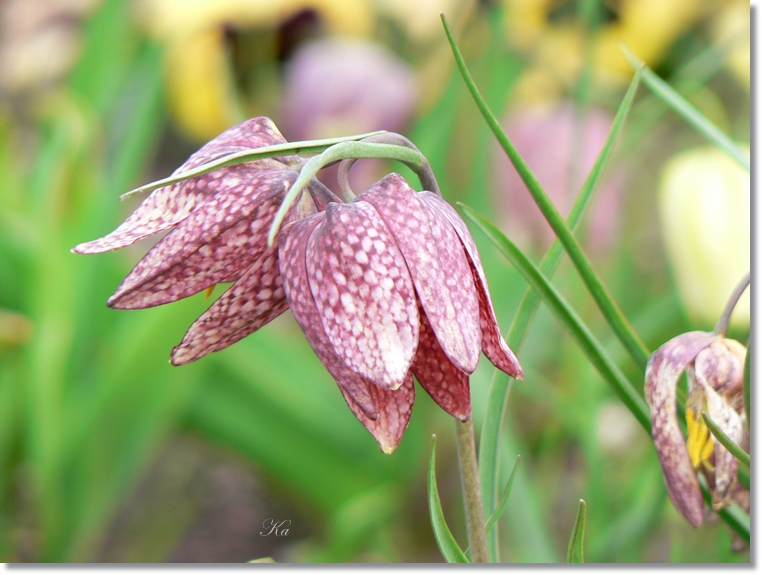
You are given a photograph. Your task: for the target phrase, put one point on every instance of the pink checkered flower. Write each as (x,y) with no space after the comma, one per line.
(386,288)
(715,369)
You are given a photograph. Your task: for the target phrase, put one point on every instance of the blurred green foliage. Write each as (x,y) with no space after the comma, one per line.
(89,404)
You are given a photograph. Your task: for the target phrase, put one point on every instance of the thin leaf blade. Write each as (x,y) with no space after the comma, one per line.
(503,502)
(610,310)
(687,111)
(566,315)
(445,540)
(576,552)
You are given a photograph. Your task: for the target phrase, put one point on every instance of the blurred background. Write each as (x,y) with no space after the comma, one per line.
(108,453)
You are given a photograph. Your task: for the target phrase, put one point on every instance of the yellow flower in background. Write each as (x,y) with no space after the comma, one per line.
(705,212)
(731,30)
(200,84)
(648,28)
(554,37)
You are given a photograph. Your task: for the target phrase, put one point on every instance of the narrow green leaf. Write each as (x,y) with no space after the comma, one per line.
(622,328)
(497,401)
(689,113)
(501,384)
(552,258)
(576,552)
(306,147)
(726,442)
(446,542)
(566,315)
(504,497)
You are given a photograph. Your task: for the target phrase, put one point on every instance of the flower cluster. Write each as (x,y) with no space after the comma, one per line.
(715,369)
(386,287)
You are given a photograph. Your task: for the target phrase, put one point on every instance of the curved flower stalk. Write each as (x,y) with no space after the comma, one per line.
(386,287)
(715,369)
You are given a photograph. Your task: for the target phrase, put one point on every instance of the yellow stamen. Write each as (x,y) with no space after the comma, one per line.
(700,443)
(209,291)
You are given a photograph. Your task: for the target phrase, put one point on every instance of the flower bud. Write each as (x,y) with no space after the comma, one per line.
(705,212)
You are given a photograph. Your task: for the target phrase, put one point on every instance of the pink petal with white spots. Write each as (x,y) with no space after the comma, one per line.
(438,266)
(440,377)
(253,301)
(394,409)
(293,266)
(725,463)
(493,344)
(718,373)
(167,206)
(215,243)
(662,375)
(364,293)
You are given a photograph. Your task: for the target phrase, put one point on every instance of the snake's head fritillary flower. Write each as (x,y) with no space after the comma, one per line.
(715,369)
(219,223)
(387,287)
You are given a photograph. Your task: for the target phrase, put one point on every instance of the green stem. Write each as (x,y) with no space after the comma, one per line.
(722,324)
(306,147)
(726,442)
(472,495)
(603,299)
(345,150)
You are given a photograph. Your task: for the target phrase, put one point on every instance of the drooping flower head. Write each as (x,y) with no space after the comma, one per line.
(715,370)
(386,287)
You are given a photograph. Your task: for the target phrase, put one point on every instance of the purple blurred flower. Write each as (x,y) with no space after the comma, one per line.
(560,145)
(715,368)
(387,287)
(334,87)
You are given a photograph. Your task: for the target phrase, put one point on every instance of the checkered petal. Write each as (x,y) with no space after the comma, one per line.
(718,372)
(363,292)
(167,206)
(215,243)
(493,344)
(394,409)
(293,266)
(253,301)
(662,375)
(438,267)
(439,376)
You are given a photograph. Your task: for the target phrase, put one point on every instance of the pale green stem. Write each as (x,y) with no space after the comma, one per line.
(472,494)
(306,147)
(345,150)
(722,324)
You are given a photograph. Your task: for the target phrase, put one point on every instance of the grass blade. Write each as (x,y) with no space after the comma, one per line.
(446,542)
(504,497)
(552,258)
(307,147)
(566,315)
(603,299)
(726,442)
(688,112)
(576,552)
(500,387)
